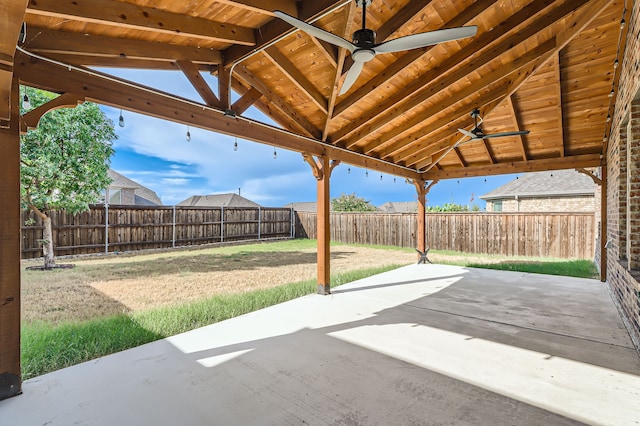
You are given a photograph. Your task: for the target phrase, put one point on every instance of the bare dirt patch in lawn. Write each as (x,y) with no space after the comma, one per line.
(115,284)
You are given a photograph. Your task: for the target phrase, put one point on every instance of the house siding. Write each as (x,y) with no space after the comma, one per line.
(623,187)
(547,204)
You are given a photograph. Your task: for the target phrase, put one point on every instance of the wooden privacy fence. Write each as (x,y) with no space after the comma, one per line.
(563,235)
(122,228)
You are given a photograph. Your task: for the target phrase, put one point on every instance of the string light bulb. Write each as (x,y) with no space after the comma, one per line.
(26,104)
(188,135)
(121,120)
(235,144)
(349,170)
(366,173)
(275,154)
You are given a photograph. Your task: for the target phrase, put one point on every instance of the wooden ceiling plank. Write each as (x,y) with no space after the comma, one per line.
(276,29)
(266,7)
(558,113)
(476,54)
(197,81)
(128,15)
(108,90)
(297,77)
(578,161)
(42,40)
(349,13)
(303,124)
(245,101)
(414,55)
(476,87)
(11,18)
(516,122)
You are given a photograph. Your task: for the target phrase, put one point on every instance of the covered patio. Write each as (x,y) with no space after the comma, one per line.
(423,344)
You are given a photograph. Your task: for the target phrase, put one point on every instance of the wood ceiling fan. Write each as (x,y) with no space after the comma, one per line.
(364,47)
(477,133)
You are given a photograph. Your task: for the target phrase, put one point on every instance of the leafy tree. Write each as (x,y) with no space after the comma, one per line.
(448,207)
(351,203)
(64,162)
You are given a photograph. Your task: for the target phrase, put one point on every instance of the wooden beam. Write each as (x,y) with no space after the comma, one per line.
(265,7)
(488,151)
(276,29)
(116,62)
(10,378)
(31,119)
(589,173)
(197,81)
(516,122)
(349,12)
(224,87)
(421,234)
(11,18)
(330,51)
(47,42)
(297,77)
(482,50)
(133,16)
(108,90)
(559,112)
(456,152)
(580,161)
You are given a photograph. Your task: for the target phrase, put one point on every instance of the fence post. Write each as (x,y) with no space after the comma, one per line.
(106,222)
(292,221)
(259,222)
(222,224)
(173,236)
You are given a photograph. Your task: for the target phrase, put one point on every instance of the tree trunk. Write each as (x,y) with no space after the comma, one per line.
(47,243)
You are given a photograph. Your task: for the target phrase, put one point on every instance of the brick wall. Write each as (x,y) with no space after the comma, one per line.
(623,186)
(547,204)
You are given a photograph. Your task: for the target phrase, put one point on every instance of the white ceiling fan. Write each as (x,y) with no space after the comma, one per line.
(364,47)
(477,133)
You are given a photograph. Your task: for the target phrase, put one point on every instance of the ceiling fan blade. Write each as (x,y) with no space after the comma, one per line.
(352,76)
(505,134)
(468,133)
(315,31)
(416,41)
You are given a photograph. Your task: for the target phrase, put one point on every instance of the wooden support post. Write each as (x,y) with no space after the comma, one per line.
(10,379)
(322,168)
(421,235)
(224,87)
(603,223)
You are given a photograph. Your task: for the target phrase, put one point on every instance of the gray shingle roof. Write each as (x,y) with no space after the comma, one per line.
(218,200)
(304,206)
(399,207)
(557,183)
(144,195)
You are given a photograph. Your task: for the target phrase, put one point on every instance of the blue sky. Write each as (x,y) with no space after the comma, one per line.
(156,154)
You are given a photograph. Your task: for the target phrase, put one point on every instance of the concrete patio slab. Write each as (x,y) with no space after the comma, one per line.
(424,344)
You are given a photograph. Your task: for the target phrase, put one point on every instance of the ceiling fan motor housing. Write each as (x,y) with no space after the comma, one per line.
(364,38)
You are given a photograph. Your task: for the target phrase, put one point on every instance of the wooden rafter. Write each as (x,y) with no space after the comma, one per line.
(558,87)
(296,77)
(47,42)
(329,50)
(479,52)
(589,173)
(456,153)
(118,62)
(516,122)
(349,12)
(277,29)
(126,15)
(197,81)
(487,150)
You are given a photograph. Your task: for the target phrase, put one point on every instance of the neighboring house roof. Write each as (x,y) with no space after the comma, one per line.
(143,195)
(399,207)
(557,183)
(218,200)
(305,206)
